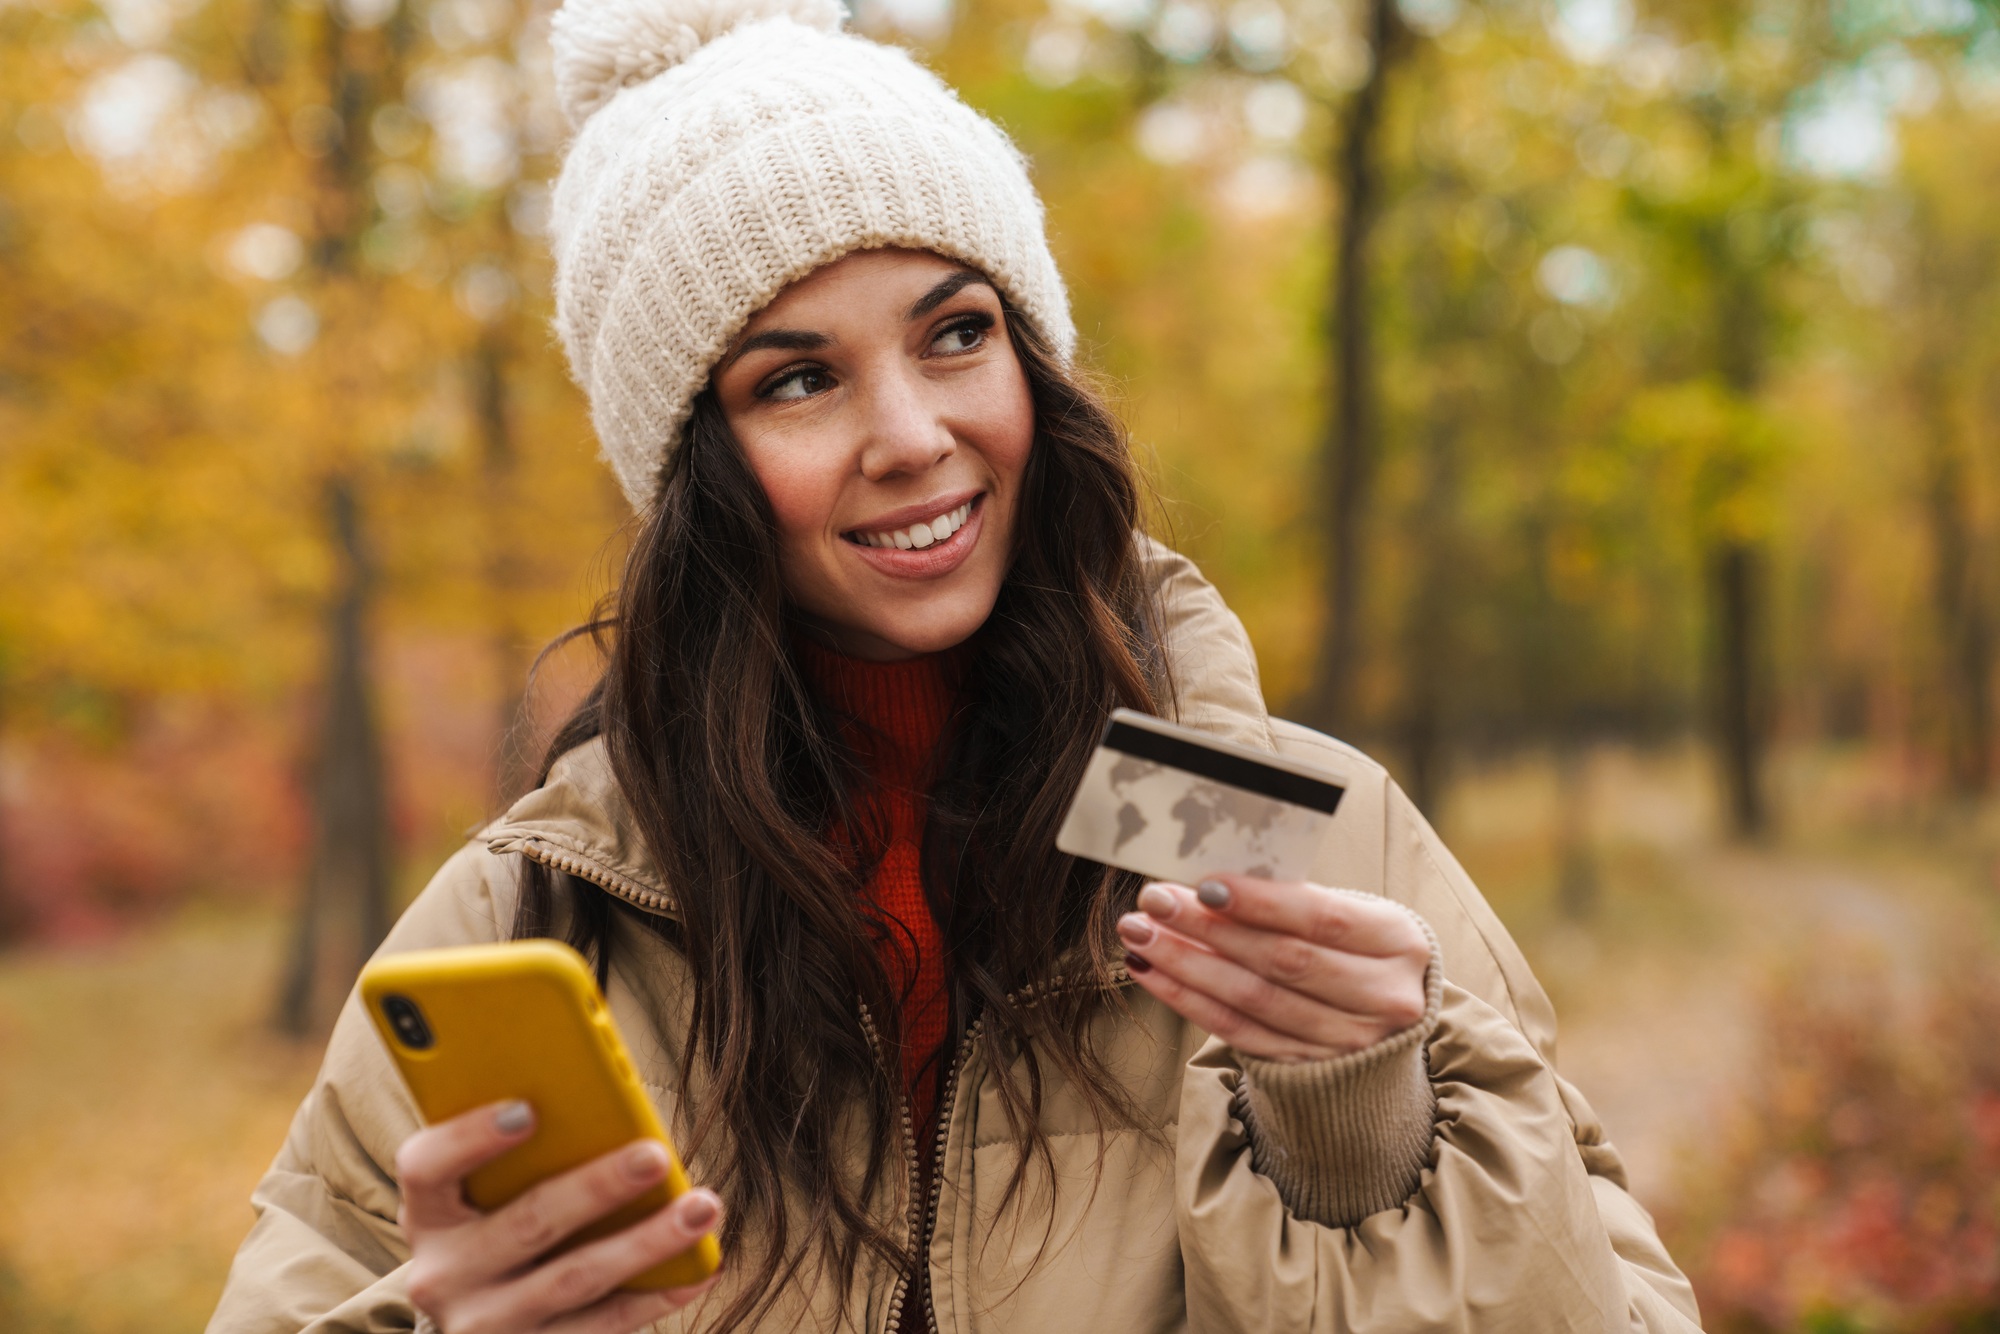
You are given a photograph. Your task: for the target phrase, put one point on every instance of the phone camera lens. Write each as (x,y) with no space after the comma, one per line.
(408,1022)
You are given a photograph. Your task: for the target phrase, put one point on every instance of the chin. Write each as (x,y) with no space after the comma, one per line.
(931,636)
(932,626)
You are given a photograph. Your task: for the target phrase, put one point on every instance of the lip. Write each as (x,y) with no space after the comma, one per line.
(934,561)
(909,514)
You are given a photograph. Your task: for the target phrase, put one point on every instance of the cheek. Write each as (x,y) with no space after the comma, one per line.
(1007,427)
(801,495)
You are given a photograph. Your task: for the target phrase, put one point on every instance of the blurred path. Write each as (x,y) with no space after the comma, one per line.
(1660,994)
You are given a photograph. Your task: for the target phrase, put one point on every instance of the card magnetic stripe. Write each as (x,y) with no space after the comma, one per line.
(1262,779)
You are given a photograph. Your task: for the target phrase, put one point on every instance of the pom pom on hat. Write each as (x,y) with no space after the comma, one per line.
(601,46)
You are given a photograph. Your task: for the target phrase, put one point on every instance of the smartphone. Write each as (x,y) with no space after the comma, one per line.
(479,1024)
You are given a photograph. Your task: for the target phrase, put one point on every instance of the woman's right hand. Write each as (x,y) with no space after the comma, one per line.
(479,1273)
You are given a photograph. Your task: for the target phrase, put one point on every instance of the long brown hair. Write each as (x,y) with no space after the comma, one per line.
(735,773)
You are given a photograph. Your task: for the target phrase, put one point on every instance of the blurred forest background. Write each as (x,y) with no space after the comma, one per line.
(1592,407)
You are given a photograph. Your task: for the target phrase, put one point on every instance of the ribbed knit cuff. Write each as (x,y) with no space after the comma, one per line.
(1349,1137)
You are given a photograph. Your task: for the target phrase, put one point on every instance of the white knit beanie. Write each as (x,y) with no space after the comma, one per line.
(726,148)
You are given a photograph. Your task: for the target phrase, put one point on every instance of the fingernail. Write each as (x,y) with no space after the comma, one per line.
(1159,901)
(1213,893)
(1135,929)
(699,1210)
(646,1160)
(1137,965)
(513,1117)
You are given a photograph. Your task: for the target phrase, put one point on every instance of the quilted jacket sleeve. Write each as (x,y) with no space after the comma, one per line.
(1518,1218)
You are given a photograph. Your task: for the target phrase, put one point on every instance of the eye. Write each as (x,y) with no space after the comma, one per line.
(791,385)
(967,335)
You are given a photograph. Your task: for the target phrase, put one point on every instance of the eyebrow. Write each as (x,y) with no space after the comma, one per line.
(945,289)
(805,340)
(788,340)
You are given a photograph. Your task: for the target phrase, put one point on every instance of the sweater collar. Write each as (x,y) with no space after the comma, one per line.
(892,714)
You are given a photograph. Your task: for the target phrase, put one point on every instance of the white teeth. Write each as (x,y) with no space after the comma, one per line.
(920,535)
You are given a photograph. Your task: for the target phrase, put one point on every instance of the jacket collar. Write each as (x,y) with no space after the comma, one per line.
(579,822)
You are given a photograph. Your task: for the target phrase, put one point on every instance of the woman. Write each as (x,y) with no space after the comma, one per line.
(933,1073)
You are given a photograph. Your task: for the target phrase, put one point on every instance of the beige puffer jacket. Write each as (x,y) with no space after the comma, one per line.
(1253,1197)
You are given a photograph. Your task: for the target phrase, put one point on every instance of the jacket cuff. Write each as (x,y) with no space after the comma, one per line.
(1348,1137)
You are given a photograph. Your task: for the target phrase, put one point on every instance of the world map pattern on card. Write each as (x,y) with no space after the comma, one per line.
(1169,824)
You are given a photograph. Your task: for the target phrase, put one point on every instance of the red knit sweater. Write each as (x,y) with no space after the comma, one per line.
(894,715)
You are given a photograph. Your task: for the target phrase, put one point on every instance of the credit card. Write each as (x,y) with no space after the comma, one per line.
(1175,804)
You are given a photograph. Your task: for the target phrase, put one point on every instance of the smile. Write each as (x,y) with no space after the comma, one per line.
(918,535)
(927,548)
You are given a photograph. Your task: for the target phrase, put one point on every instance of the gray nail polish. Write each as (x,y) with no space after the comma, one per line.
(513,1118)
(1213,893)
(698,1211)
(646,1160)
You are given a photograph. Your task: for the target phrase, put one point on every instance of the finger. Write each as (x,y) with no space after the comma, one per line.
(577,1280)
(1361,984)
(1279,1009)
(629,1312)
(1353,922)
(431,1165)
(540,1219)
(1211,1015)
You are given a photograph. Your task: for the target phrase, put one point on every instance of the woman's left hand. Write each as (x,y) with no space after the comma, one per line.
(1283,970)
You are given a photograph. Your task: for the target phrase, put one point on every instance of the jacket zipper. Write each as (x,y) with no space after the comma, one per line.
(924,1224)
(534,849)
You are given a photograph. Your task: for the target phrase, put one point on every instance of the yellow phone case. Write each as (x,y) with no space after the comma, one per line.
(525,1020)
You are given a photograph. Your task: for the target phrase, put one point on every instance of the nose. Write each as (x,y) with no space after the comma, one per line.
(906,435)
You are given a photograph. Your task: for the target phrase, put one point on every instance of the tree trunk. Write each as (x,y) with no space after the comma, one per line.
(514,766)
(1736,596)
(1423,739)
(347,884)
(1349,446)
(1736,563)
(1962,625)
(344,907)
(1427,638)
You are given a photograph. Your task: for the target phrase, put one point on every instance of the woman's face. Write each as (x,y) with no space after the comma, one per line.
(882,407)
